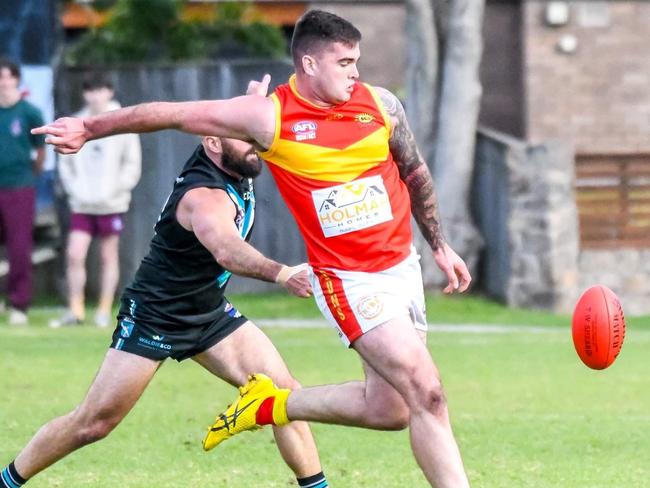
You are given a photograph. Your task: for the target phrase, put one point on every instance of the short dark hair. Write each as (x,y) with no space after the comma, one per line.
(95,81)
(13,68)
(316,28)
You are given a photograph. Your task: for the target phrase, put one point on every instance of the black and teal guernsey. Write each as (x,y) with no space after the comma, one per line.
(179,283)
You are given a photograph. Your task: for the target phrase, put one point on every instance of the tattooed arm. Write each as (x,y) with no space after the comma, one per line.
(424,204)
(413,170)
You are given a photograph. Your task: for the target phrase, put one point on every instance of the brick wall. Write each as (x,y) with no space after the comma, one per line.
(597,98)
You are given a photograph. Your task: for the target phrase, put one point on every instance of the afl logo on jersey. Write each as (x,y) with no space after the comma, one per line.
(304,130)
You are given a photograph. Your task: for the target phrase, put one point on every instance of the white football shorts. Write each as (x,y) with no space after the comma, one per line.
(354,302)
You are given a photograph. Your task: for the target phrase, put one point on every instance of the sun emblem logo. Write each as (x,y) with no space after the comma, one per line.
(370,307)
(364,118)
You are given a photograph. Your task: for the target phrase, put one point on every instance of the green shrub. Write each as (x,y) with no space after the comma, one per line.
(155,31)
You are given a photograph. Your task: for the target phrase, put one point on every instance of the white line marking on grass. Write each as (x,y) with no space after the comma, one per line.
(454,328)
(496,329)
(293,323)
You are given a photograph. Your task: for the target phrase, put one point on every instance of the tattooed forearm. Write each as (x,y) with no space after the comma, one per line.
(424,205)
(413,171)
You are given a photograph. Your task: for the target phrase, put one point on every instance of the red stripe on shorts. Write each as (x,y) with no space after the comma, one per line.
(338,304)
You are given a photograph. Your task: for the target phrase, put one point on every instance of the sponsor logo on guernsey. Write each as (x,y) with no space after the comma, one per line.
(352,206)
(334,116)
(304,130)
(132,307)
(153,343)
(250,193)
(370,307)
(364,118)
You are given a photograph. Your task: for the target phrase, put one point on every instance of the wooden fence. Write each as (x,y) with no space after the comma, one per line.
(613,194)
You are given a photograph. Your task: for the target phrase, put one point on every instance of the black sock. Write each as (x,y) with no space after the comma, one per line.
(9,477)
(316,481)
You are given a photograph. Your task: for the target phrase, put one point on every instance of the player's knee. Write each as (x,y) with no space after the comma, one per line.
(75,258)
(95,429)
(427,394)
(108,259)
(433,398)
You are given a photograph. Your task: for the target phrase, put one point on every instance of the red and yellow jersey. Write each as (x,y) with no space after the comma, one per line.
(335,171)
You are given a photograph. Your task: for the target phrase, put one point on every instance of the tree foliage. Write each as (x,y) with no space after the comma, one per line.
(156,31)
(229,36)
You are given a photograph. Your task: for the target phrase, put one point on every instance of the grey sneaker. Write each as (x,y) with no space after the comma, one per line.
(17,317)
(68,319)
(102,320)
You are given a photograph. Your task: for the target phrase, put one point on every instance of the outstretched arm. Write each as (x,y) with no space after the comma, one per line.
(210,214)
(250,118)
(424,204)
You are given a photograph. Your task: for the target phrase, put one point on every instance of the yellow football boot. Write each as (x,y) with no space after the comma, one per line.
(245,414)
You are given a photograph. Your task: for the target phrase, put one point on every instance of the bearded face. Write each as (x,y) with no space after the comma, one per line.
(240,157)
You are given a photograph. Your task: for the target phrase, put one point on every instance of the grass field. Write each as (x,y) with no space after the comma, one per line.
(525,411)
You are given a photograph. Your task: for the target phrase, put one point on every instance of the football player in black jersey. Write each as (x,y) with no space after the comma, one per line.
(175,308)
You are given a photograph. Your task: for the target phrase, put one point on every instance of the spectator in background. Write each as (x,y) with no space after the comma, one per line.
(21,158)
(98,181)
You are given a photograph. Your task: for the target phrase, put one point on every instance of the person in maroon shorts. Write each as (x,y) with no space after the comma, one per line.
(98,182)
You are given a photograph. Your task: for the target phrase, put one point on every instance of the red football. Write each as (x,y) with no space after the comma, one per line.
(598,327)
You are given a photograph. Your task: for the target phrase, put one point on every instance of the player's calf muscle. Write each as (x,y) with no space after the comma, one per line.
(389,419)
(396,414)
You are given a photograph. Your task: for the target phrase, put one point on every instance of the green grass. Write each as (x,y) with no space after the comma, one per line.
(525,411)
